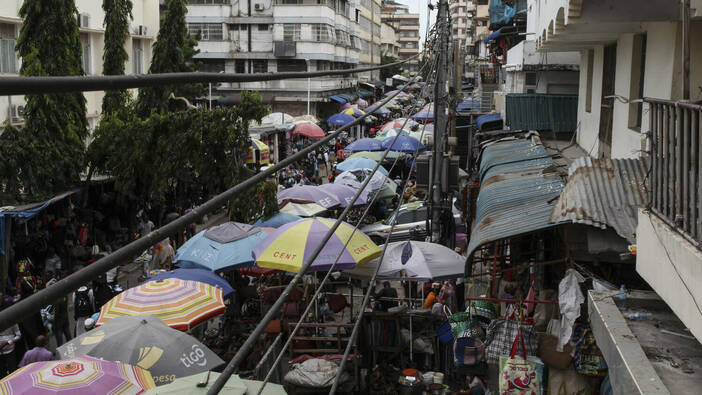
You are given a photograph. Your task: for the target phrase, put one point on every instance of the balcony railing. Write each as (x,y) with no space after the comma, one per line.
(676,168)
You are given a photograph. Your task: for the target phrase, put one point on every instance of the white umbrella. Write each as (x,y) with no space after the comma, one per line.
(355,178)
(276,118)
(416,261)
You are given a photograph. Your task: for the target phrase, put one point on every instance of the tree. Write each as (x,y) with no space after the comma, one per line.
(249,207)
(389,71)
(118,13)
(47,156)
(172,53)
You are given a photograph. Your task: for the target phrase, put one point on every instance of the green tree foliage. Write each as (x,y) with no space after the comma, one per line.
(118,13)
(249,207)
(389,71)
(47,155)
(172,53)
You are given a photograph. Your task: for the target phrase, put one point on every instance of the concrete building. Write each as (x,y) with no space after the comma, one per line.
(143,28)
(407,24)
(368,16)
(389,40)
(629,52)
(462,17)
(264,36)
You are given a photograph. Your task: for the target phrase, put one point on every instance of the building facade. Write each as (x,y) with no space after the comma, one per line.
(370,29)
(407,24)
(462,21)
(143,31)
(389,40)
(265,36)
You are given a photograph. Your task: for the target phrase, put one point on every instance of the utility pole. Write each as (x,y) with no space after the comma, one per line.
(457,74)
(439,122)
(372,38)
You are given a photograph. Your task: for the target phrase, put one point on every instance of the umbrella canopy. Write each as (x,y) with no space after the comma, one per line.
(233,386)
(308,129)
(359,163)
(78,375)
(345,194)
(364,144)
(391,133)
(354,111)
(361,103)
(399,123)
(181,304)
(415,260)
(145,342)
(276,118)
(305,118)
(379,184)
(276,221)
(308,194)
(222,247)
(201,275)
(264,152)
(290,245)
(340,119)
(302,209)
(377,109)
(404,144)
(377,155)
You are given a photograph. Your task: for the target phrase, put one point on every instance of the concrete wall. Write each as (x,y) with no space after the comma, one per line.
(673,268)
(589,122)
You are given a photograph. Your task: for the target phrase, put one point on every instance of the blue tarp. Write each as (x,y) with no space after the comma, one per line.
(501,13)
(468,105)
(492,35)
(339,99)
(487,118)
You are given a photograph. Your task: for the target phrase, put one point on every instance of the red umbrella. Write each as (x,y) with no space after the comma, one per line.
(308,129)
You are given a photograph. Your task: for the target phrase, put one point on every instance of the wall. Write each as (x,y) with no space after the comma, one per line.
(589,122)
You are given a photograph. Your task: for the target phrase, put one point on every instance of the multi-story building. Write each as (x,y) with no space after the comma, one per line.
(369,27)
(389,40)
(462,14)
(407,24)
(265,36)
(143,32)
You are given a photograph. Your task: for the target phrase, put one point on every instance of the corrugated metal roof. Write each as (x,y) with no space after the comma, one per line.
(517,191)
(604,192)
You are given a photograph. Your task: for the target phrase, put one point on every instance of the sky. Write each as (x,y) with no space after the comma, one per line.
(421,7)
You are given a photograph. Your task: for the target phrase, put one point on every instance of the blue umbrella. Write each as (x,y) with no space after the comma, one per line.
(404,144)
(340,119)
(223,247)
(201,275)
(359,163)
(277,220)
(365,144)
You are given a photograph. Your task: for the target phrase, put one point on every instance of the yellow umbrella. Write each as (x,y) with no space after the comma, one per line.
(302,209)
(262,148)
(305,118)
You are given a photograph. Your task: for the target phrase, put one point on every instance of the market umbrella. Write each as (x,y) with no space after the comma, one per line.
(404,144)
(345,194)
(233,386)
(361,103)
(290,245)
(181,304)
(378,109)
(377,155)
(145,342)
(308,194)
(340,119)
(276,220)
(415,260)
(305,118)
(359,163)
(379,183)
(77,375)
(308,129)
(364,144)
(195,274)
(354,111)
(221,247)
(276,118)
(399,123)
(302,209)
(262,148)
(391,133)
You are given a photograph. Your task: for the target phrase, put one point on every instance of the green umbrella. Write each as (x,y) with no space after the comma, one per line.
(233,386)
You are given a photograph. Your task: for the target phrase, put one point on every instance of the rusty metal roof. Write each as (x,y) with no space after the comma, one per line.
(518,187)
(604,193)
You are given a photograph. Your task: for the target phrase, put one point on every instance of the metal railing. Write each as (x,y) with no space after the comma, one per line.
(676,167)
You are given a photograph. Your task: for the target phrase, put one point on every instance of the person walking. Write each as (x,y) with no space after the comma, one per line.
(61,327)
(38,353)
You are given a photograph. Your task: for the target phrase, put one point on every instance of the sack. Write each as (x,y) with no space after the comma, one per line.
(588,359)
(520,375)
(274,326)
(468,351)
(500,335)
(462,325)
(551,357)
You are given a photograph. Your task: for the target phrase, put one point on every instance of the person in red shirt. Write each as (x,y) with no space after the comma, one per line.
(340,154)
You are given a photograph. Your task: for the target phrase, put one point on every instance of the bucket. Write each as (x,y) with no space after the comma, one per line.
(438,378)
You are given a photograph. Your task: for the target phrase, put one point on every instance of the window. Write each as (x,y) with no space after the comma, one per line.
(243,28)
(530,79)
(85,59)
(138,57)
(291,32)
(8,56)
(211,66)
(260,66)
(321,33)
(638,69)
(206,31)
(588,93)
(262,28)
(291,65)
(240,66)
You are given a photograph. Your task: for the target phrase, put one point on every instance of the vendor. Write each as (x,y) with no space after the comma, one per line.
(433,296)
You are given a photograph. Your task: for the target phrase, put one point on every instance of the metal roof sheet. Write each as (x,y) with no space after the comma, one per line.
(517,191)
(604,192)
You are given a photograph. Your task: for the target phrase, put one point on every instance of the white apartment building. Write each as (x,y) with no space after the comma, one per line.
(462,14)
(407,24)
(265,36)
(389,40)
(369,27)
(144,29)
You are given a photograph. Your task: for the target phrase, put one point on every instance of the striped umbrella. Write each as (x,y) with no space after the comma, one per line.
(292,244)
(302,209)
(262,148)
(181,304)
(79,375)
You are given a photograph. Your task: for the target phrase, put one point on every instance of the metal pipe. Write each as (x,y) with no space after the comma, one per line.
(685,8)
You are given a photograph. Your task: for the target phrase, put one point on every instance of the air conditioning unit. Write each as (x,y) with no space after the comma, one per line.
(142,30)
(258,7)
(84,20)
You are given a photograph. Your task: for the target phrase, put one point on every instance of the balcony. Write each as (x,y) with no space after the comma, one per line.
(300,85)
(285,49)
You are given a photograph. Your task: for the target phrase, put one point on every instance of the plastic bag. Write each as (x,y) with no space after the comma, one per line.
(315,372)
(570,297)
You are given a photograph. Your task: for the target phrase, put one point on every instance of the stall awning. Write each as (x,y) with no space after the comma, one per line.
(349,97)
(518,187)
(364,93)
(367,85)
(378,84)
(338,99)
(604,193)
(492,35)
(494,121)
